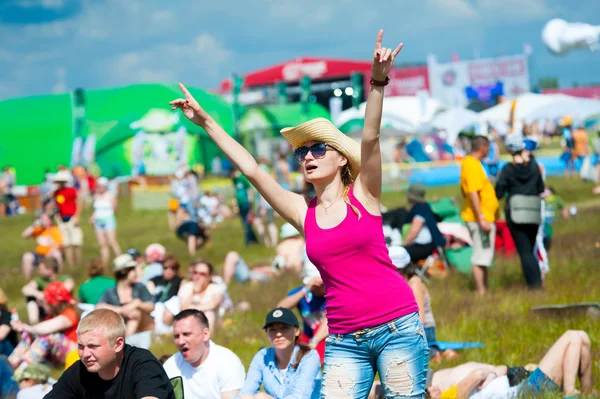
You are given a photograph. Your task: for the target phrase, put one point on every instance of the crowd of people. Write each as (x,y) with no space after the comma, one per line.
(334,243)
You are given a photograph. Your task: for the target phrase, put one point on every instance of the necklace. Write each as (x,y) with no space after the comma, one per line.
(326,208)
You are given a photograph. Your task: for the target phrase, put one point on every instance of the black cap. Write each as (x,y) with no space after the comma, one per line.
(134,253)
(283,316)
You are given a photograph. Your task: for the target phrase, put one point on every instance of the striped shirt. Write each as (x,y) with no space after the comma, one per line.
(302,383)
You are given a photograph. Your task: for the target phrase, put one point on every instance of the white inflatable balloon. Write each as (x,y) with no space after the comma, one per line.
(561,36)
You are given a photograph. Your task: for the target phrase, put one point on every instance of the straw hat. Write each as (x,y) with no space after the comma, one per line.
(122,262)
(62,176)
(323,131)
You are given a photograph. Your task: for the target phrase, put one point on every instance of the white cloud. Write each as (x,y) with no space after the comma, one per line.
(164,18)
(453,8)
(114,42)
(60,86)
(7,56)
(49,4)
(50,30)
(516,9)
(168,62)
(305,14)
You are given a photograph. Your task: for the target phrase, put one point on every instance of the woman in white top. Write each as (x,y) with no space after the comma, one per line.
(202,293)
(104,221)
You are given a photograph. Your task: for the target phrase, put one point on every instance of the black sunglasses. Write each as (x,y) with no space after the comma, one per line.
(317,150)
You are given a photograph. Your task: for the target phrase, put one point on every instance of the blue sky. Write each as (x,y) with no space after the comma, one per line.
(56,45)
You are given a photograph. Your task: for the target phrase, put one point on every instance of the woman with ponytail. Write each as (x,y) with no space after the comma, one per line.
(371,311)
(287,369)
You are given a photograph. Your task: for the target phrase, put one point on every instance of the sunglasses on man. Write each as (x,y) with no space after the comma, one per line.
(317,150)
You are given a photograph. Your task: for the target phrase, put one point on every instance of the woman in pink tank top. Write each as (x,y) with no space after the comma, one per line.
(372,315)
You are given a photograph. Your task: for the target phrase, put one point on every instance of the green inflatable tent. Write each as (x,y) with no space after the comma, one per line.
(36,135)
(38,132)
(155,143)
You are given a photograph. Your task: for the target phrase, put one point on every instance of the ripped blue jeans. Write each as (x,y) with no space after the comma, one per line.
(397,350)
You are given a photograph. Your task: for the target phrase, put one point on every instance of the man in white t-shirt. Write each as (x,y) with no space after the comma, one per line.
(207,369)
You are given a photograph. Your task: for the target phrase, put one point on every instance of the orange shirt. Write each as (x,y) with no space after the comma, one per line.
(580,139)
(71,332)
(46,239)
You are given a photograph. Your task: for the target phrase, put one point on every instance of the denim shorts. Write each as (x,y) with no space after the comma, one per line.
(108,224)
(243,273)
(397,350)
(538,383)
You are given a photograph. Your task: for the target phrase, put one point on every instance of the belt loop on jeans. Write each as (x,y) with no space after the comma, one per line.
(359,333)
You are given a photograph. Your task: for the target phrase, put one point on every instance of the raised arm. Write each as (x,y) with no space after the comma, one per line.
(292,207)
(369,179)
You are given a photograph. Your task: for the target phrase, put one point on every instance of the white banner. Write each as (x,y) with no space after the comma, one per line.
(449,82)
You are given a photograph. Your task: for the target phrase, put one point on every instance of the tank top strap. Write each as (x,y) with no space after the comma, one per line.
(310,219)
(354,201)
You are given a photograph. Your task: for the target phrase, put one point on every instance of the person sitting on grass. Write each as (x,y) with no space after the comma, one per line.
(34,290)
(154,256)
(164,291)
(309,299)
(110,368)
(130,299)
(424,236)
(34,382)
(568,359)
(193,231)
(8,336)
(208,370)
(286,369)
(97,284)
(202,293)
(410,274)
(288,256)
(51,339)
(48,244)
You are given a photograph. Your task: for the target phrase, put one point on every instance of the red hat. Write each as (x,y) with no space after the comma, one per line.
(56,293)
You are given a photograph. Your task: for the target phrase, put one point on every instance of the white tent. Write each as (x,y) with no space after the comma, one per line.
(577,108)
(453,121)
(354,117)
(409,111)
(526,104)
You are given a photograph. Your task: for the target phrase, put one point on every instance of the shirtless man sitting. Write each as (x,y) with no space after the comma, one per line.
(288,256)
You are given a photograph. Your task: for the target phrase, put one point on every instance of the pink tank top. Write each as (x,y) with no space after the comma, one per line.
(363,287)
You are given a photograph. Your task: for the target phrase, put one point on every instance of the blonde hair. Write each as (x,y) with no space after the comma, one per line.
(109,321)
(348,180)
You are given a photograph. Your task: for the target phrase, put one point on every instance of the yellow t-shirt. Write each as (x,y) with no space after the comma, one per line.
(474,180)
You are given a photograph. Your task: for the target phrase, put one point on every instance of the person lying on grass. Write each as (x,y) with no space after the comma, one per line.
(568,359)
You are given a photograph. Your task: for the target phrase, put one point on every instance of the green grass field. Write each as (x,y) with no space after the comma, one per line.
(512,334)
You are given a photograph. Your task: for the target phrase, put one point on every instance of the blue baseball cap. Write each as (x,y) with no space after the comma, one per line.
(531,145)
